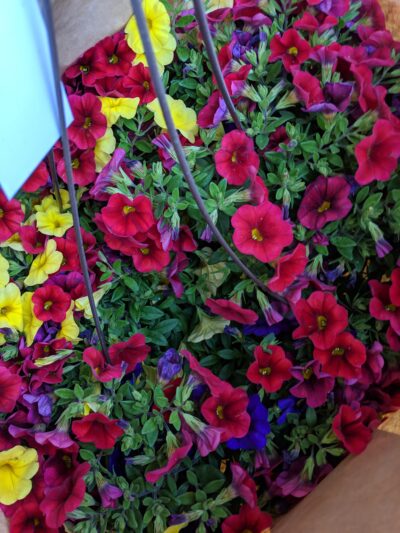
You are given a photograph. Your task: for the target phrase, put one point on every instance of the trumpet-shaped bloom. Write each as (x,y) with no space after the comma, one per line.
(31,323)
(11,216)
(46,263)
(11,307)
(51,303)
(97,429)
(89,124)
(69,328)
(52,222)
(4,275)
(105,146)
(17,467)
(184,118)
(114,108)
(236,160)
(125,217)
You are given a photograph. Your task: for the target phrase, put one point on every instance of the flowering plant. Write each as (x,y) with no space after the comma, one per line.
(218,404)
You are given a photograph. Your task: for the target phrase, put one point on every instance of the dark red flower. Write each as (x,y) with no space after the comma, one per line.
(185,241)
(349,428)
(28,518)
(97,429)
(370,97)
(236,81)
(236,160)
(39,178)
(69,250)
(249,519)
(213,112)
(175,457)
(313,384)
(243,485)
(125,216)
(338,8)
(83,166)
(130,352)
(270,369)
(344,357)
(226,410)
(85,67)
(113,56)
(261,231)
(10,389)
(51,303)
(89,123)
(307,88)
(288,268)
(394,291)
(313,24)
(150,256)
(231,311)
(249,12)
(324,200)
(11,216)
(32,240)
(320,318)
(291,48)
(138,81)
(381,305)
(377,154)
(101,370)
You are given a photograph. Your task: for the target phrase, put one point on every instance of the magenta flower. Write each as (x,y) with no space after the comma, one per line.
(313,385)
(109,495)
(325,200)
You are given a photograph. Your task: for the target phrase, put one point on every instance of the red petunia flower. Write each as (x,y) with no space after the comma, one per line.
(291,48)
(310,23)
(97,429)
(261,231)
(320,318)
(101,370)
(349,428)
(344,357)
(308,88)
(69,249)
(185,241)
(11,216)
(236,160)
(130,352)
(377,154)
(270,369)
(243,485)
(89,123)
(213,112)
(150,256)
(83,166)
(85,67)
(125,216)
(51,303)
(231,311)
(138,81)
(325,200)
(288,268)
(382,306)
(226,410)
(175,457)
(113,56)
(28,518)
(33,242)
(39,178)
(249,519)
(10,389)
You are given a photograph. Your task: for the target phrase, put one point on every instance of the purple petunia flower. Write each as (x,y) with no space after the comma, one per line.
(256,437)
(313,385)
(287,407)
(337,98)
(109,494)
(169,365)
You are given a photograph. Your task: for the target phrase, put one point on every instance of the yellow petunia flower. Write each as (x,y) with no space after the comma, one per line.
(213,5)
(159,25)
(44,264)
(4,275)
(2,339)
(82,304)
(114,108)
(31,322)
(17,467)
(14,242)
(50,201)
(11,307)
(52,222)
(69,329)
(184,118)
(177,528)
(105,146)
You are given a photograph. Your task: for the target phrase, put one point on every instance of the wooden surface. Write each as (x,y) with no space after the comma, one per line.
(391,8)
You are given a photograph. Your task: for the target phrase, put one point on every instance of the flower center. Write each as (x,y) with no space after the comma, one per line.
(145,251)
(1,213)
(47,305)
(247,531)
(36,521)
(146,85)
(220,412)
(322,322)
(307,373)
(75,163)
(128,209)
(234,157)
(390,307)
(338,351)
(97,370)
(113,59)
(4,310)
(87,123)
(256,235)
(149,24)
(293,51)
(324,206)
(84,68)
(46,349)
(265,371)
(67,461)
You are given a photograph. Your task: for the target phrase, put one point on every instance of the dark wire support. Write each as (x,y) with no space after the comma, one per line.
(216,69)
(161,95)
(70,180)
(54,179)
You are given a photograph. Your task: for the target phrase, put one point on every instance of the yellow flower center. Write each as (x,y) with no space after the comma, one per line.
(128,209)
(220,412)
(149,23)
(234,157)
(97,370)
(87,123)
(75,163)
(247,531)
(67,461)
(338,351)
(322,322)
(390,307)
(4,310)
(1,213)
(145,251)
(324,206)
(113,59)
(84,69)
(256,235)
(146,85)
(307,373)
(36,521)
(293,51)
(47,305)
(265,371)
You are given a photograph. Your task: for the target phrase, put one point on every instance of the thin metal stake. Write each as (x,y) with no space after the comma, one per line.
(54,179)
(70,179)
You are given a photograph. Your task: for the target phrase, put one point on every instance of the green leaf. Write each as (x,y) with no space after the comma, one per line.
(207,327)
(175,420)
(159,398)
(149,426)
